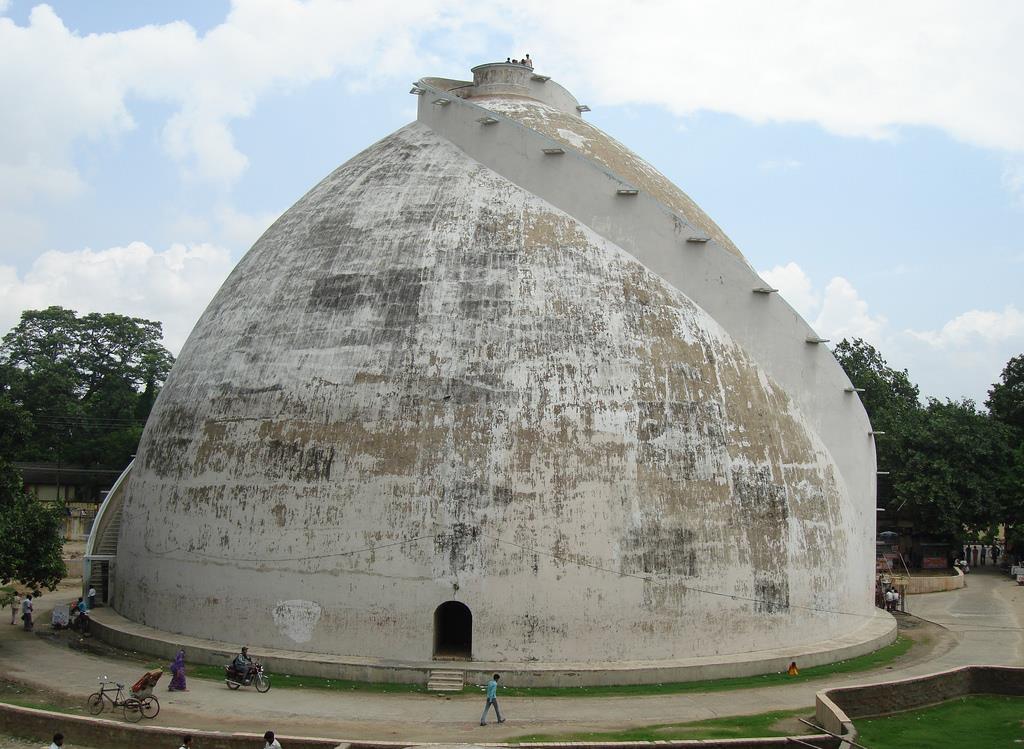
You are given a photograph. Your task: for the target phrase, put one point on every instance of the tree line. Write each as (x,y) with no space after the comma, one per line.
(954,471)
(74,390)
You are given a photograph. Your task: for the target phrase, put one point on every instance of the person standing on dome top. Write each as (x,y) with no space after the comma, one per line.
(527,61)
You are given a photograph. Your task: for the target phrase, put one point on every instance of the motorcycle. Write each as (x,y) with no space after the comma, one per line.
(254,677)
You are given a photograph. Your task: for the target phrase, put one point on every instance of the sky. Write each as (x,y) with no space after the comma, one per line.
(867,158)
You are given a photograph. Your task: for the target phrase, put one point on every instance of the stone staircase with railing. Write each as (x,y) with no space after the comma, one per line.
(101,547)
(445,680)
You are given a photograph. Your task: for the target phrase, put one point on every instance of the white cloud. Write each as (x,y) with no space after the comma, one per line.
(959,360)
(234,229)
(62,87)
(172,286)
(20,183)
(855,69)
(1013,179)
(836,313)
(240,229)
(795,287)
(985,325)
(845,315)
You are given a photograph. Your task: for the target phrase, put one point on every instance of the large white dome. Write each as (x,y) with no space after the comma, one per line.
(430,383)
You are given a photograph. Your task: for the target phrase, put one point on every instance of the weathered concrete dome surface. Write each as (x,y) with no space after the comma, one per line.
(425,383)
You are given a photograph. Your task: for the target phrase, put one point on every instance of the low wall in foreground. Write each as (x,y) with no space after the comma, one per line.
(113,734)
(836,709)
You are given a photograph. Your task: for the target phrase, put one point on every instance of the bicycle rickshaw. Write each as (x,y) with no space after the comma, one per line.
(137,704)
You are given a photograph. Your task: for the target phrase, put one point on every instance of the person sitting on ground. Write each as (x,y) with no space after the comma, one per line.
(58,741)
(270,742)
(242,662)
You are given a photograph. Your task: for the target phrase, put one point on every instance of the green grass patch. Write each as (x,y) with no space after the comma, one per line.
(735,727)
(880,657)
(988,721)
(22,696)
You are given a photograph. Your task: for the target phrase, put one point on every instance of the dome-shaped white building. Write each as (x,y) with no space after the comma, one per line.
(497,390)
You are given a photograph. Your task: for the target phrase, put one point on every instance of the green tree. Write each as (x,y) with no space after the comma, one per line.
(1006,398)
(85,384)
(950,467)
(32,534)
(1006,404)
(888,395)
(892,403)
(956,470)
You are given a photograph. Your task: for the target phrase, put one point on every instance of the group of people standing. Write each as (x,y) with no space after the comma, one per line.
(525,61)
(978,554)
(24,606)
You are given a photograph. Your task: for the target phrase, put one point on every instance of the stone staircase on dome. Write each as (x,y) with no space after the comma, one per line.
(445,680)
(101,547)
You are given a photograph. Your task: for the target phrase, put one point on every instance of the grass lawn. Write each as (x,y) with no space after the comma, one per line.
(988,721)
(739,726)
(878,658)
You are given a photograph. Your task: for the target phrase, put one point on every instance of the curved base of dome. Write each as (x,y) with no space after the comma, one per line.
(878,630)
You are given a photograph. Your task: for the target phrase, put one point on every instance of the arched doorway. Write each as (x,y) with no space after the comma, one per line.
(453,631)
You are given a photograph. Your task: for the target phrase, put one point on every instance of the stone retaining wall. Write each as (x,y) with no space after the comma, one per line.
(42,724)
(919,584)
(837,709)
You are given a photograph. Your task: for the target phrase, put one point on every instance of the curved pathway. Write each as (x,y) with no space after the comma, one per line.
(985,621)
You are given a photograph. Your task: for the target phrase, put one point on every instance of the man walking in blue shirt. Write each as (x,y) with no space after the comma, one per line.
(492,699)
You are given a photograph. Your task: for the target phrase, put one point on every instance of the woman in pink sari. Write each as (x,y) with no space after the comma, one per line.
(178,673)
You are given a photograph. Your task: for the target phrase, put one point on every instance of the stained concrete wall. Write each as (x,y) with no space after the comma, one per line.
(654,227)
(121,633)
(426,383)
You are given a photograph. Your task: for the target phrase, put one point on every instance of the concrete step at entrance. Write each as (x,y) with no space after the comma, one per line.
(445,680)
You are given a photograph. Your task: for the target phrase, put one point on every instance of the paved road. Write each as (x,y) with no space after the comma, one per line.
(985,621)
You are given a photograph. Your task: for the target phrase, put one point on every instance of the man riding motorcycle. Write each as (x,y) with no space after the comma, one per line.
(242,664)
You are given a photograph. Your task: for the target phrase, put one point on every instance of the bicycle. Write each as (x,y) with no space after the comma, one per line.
(135,708)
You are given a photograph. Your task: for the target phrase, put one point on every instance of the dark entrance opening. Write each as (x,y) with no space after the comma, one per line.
(453,631)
